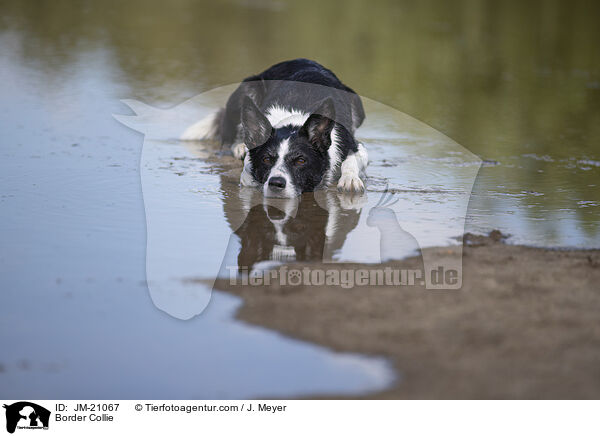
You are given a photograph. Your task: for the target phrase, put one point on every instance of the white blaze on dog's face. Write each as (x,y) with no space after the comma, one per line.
(291,158)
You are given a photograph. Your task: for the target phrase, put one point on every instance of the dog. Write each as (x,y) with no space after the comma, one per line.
(293,126)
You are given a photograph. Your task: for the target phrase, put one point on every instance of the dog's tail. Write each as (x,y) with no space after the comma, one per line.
(208,127)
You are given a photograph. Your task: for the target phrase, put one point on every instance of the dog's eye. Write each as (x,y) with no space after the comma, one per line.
(267,159)
(300,161)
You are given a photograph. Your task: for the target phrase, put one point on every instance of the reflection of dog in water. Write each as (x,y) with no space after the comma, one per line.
(311,227)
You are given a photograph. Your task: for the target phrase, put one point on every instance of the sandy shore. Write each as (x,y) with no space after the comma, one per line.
(526,324)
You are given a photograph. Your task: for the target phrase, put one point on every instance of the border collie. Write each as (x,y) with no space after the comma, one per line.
(293,125)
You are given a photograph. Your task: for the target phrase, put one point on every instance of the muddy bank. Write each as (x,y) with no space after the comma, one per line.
(526,324)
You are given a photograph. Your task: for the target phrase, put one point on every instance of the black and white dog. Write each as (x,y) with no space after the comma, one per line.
(293,125)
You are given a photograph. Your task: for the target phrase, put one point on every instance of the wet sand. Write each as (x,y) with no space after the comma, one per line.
(525,325)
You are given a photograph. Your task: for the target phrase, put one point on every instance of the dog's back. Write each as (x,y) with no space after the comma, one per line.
(293,85)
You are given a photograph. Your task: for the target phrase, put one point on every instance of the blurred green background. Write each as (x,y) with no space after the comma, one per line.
(510,74)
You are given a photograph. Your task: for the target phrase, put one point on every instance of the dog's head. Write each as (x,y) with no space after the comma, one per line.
(288,159)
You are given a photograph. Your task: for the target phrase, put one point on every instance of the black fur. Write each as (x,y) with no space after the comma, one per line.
(308,175)
(303,86)
(275,86)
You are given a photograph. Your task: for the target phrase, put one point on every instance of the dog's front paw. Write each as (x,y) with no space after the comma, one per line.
(350,183)
(239,150)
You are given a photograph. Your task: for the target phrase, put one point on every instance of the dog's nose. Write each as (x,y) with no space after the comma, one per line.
(277,182)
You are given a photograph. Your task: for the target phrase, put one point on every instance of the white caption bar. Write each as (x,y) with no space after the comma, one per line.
(276,417)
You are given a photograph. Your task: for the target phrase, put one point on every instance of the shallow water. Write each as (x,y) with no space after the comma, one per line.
(96,217)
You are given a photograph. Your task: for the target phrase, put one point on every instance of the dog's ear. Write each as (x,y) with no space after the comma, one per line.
(255,126)
(319,125)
